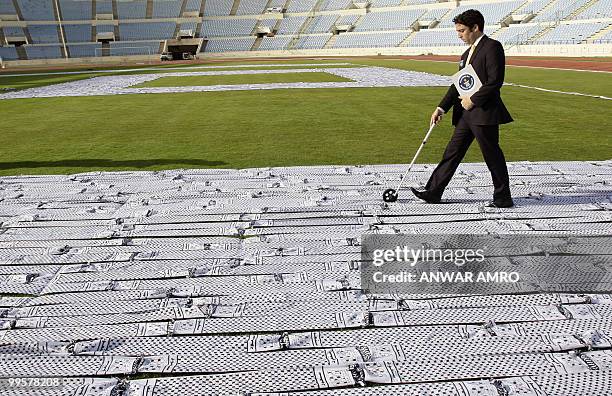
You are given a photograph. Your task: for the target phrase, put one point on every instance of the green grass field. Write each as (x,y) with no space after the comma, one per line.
(242,129)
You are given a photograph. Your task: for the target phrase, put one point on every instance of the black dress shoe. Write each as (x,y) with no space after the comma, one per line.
(425,196)
(501,203)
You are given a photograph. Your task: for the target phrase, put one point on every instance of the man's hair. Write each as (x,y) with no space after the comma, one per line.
(470,18)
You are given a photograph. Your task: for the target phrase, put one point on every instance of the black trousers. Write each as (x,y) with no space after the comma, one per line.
(487,137)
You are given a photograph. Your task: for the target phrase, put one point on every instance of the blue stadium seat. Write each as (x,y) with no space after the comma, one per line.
(136,9)
(167,8)
(77,33)
(8,53)
(75,10)
(43,51)
(43,34)
(84,50)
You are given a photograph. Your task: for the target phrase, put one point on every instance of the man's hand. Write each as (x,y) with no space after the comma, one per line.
(436,117)
(466,102)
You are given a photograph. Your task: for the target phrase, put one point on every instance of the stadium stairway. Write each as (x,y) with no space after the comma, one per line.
(115,16)
(94,7)
(182,12)
(550,5)
(21,53)
(234,7)
(309,21)
(60,33)
(267,5)
(330,43)
(544,31)
(149,12)
(277,26)
(317,6)
(581,9)
(26,32)
(18,10)
(257,43)
(599,34)
(405,42)
(201,13)
(116,31)
(106,49)
(358,21)
(2,38)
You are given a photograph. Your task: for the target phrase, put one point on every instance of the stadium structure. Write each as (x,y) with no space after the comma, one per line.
(211,226)
(42,31)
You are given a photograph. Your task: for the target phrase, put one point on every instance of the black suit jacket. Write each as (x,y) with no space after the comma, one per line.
(489,62)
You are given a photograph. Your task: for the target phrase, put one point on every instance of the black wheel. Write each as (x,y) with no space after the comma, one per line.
(390,195)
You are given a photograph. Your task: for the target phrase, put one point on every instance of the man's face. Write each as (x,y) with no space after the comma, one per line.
(466,34)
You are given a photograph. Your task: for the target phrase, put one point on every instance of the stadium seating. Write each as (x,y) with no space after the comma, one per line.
(493,13)
(389,20)
(322,24)
(533,7)
(251,7)
(385,3)
(559,10)
(435,14)
(43,51)
(270,23)
(167,8)
(571,33)
(312,42)
(601,9)
(330,5)
(275,43)
(123,48)
(435,37)
(189,26)
(7,8)
(13,31)
(132,9)
(517,34)
(230,44)
(370,40)
(105,28)
(77,33)
(8,53)
(193,5)
(84,50)
(75,10)
(347,20)
(104,7)
(227,27)
(43,34)
(218,7)
(37,10)
(606,38)
(291,25)
(301,5)
(386,23)
(146,31)
(277,4)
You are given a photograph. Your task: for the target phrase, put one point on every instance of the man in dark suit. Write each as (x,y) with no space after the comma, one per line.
(476,117)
